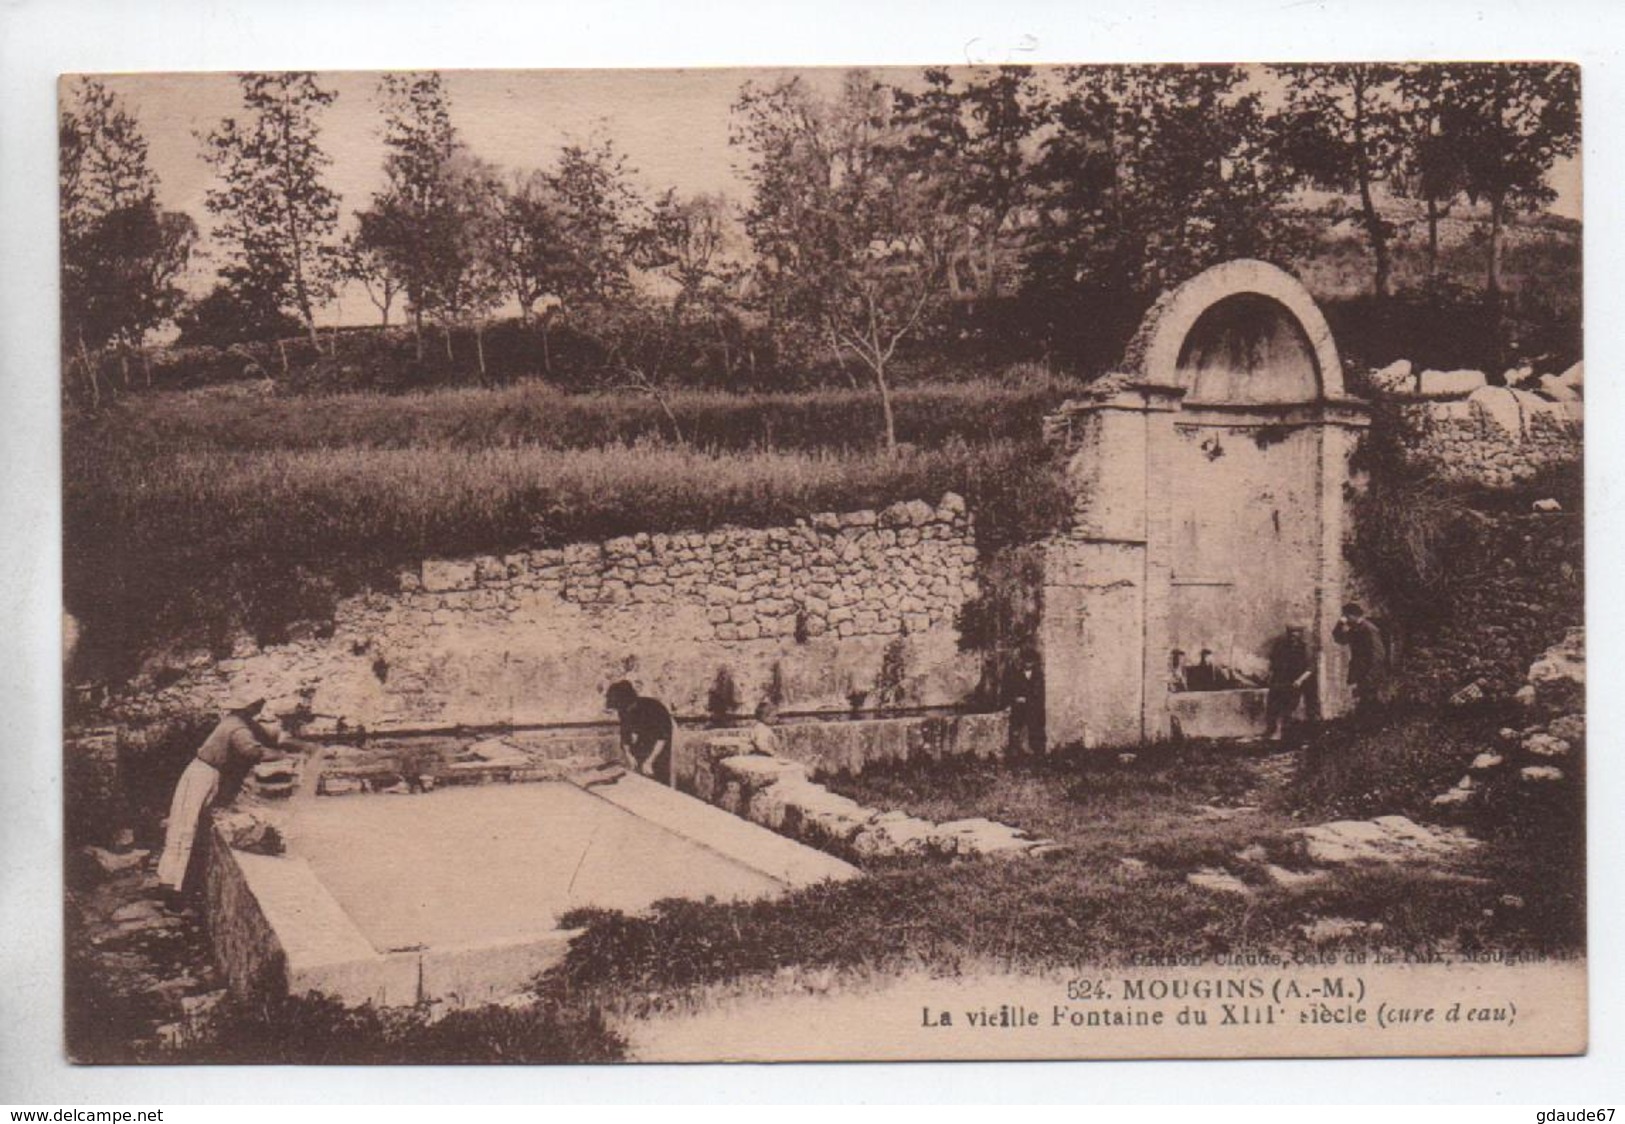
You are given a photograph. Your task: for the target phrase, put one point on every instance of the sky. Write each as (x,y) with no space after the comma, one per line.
(673,125)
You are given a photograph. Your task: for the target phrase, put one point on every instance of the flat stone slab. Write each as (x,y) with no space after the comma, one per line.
(1384,839)
(1219,881)
(792,863)
(1294,879)
(1324,929)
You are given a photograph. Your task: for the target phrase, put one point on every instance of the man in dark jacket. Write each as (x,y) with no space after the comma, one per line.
(1368,656)
(1025,692)
(647,731)
(1290,669)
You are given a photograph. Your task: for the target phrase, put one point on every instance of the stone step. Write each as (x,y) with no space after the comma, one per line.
(748,844)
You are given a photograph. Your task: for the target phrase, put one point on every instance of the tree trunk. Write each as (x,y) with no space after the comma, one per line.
(1493,282)
(1433,238)
(146,366)
(479,347)
(90,374)
(1379,239)
(417,330)
(450,358)
(283,348)
(1368,206)
(727,352)
(547,353)
(885,406)
(1492,285)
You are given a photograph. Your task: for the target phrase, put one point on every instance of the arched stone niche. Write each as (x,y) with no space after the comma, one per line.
(1208,482)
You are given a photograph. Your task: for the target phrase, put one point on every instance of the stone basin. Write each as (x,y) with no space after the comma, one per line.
(454,896)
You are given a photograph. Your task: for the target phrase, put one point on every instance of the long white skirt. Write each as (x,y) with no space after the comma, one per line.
(193,795)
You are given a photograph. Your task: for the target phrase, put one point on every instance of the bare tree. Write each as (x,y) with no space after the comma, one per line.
(122,256)
(277,216)
(1344,128)
(843,230)
(1508,124)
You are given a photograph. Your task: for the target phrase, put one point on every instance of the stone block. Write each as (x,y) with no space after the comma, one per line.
(756,772)
(1219,881)
(581,555)
(893,835)
(1545,745)
(113,862)
(1571,727)
(1540,774)
(1449,384)
(446,575)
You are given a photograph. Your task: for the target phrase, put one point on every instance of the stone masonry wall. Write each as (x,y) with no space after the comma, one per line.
(1530,591)
(1500,444)
(812,611)
(1461,427)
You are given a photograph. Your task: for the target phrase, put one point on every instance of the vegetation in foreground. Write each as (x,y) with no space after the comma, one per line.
(1522,892)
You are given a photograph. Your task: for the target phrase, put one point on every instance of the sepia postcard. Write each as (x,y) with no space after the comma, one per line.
(720,565)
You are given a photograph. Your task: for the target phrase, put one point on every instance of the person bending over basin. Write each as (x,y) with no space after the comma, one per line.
(647,731)
(239,741)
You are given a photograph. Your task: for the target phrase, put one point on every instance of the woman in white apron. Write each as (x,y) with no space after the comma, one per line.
(238,742)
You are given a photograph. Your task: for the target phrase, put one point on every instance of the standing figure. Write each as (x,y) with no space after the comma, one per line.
(1290,669)
(1368,656)
(236,743)
(1177,670)
(1026,695)
(647,731)
(1205,675)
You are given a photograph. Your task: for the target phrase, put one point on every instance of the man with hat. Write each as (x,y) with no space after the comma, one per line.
(238,742)
(1368,657)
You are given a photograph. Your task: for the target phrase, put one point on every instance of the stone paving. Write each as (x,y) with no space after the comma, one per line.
(130,948)
(778,794)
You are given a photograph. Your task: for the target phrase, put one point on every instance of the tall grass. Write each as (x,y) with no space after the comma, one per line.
(195,546)
(535,414)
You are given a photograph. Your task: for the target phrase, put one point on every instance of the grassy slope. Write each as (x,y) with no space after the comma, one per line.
(191,518)
(1086,906)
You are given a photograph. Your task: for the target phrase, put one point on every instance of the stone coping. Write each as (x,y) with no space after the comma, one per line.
(275,924)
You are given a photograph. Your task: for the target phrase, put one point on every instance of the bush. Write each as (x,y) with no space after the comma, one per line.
(316,1030)
(225,317)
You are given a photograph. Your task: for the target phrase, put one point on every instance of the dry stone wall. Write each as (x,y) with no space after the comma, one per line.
(1512,444)
(811,613)
(1529,592)
(1501,436)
